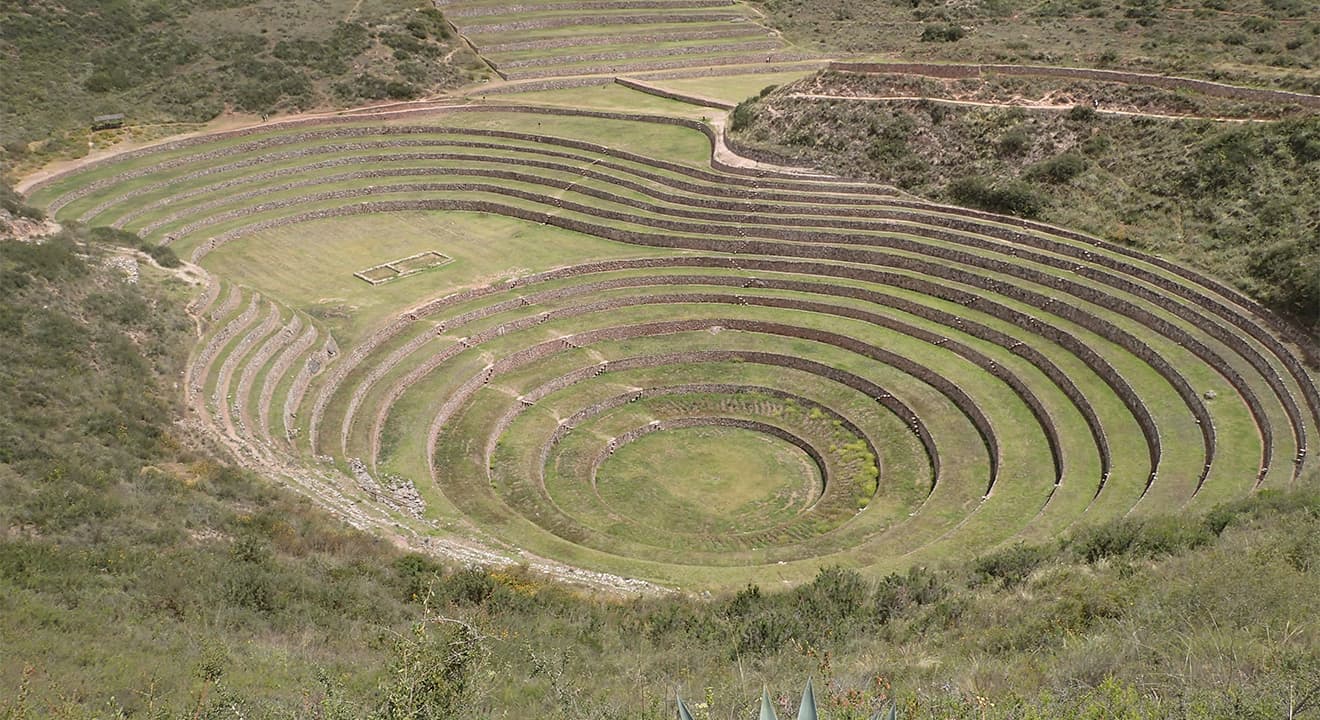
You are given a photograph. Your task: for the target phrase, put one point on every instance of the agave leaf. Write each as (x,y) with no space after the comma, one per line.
(683,712)
(767,709)
(807,710)
(890,714)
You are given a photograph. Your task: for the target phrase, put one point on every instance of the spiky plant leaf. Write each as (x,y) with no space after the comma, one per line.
(683,712)
(807,710)
(890,714)
(767,710)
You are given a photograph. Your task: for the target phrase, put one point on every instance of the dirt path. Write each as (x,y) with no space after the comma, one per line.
(1025,106)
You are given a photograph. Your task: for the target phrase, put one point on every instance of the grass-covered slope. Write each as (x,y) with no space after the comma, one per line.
(130,560)
(180,62)
(1269,42)
(540,39)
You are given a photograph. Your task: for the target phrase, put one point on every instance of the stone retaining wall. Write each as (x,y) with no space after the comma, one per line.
(221,392)
(501,426)
(1106,372)
(201,367)
(638,52)
(670,64)
(549,23)
(278,370)
(675,95)
(515,7)
(710,33)
(1204,87)
(1087,292)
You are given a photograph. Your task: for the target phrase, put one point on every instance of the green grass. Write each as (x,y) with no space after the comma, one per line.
(484,249)
(731,88)
(626,49)
(265,605)
(617,98)
(707,480)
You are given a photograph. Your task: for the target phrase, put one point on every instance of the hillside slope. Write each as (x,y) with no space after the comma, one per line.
(1235,198)
(1256,42)
(186,62)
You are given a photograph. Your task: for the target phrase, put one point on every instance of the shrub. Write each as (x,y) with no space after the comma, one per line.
(942,32)
(1014,142)
(1096,145)
(401,90)
(1010,566)
(765,633)
(469,586)
(1142,538)
(114,236)
(1081,113)
(1013,197)
(743,115)
(417,573)
(432,670)
(897,593)
(835,595)
(1102,541)
(1058,169)
(1304,142)
(163,255)
(1225,161)
(1258,24)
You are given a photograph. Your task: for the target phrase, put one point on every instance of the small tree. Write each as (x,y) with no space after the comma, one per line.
(432,671)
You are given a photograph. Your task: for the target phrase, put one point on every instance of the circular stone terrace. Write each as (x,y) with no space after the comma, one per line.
(583,343)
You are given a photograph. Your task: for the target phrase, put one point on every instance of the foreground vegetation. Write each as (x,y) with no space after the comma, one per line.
(141,576)
(1234,198)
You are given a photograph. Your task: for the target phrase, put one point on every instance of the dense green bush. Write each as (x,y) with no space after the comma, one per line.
(1058,169)
(743,114)
(1014,142)
(1013,197)
(942,32)
(1081,113)
(1009,566)
(164,255)
(13,203)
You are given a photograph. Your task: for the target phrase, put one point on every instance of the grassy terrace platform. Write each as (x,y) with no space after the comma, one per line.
(528,40)
(642,363)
